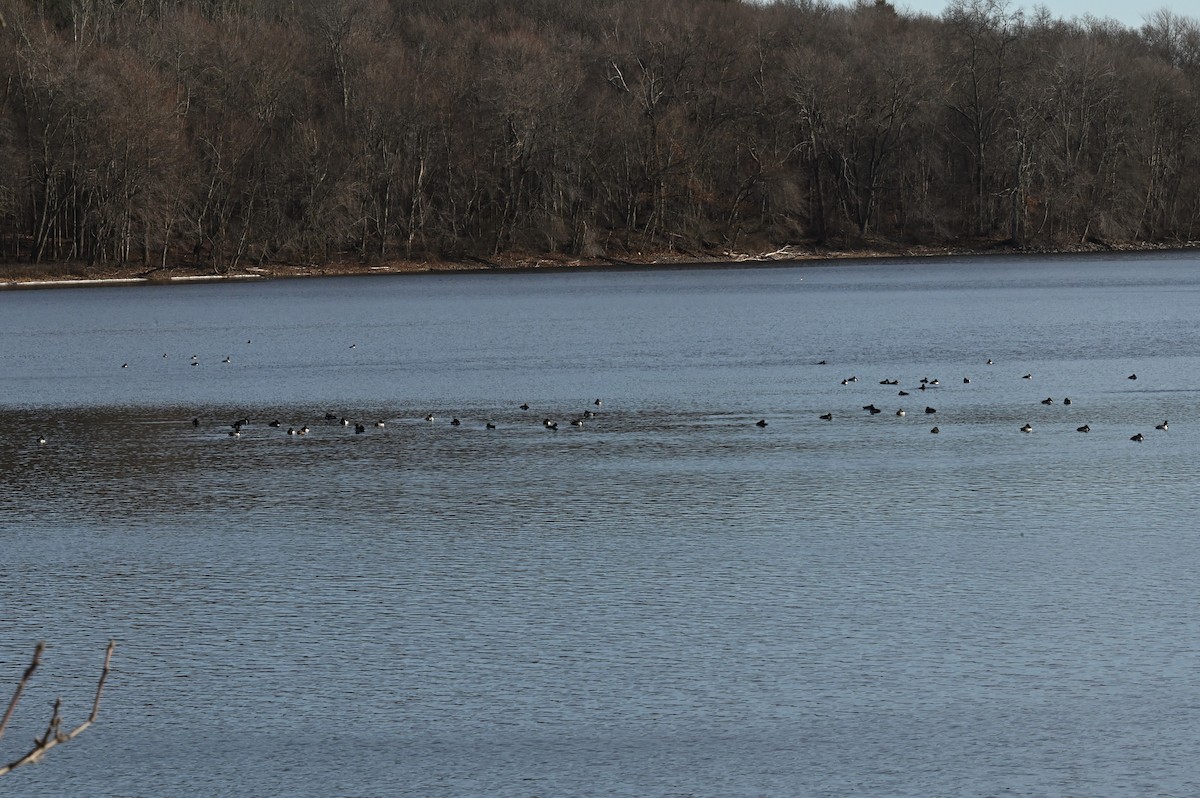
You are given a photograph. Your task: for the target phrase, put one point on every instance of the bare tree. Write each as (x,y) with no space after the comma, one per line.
(54,735)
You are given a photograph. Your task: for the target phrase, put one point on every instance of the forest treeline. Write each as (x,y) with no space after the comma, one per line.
(227,133)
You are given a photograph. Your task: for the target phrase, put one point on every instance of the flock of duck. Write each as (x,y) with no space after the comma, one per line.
(927,383)
(333,419)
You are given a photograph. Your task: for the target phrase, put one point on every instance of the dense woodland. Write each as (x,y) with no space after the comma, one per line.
(228,133)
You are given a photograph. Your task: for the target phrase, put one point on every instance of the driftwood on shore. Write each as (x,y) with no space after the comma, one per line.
(54,735)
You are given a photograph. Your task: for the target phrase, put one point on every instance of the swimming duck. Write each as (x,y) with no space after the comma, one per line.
(762,422)
(930,410)
(274,423)
(577,422)
(1027,377)
(41,439)
(598,402)
(1084,428)
(429,417)
(827,417)
(304,430)
(935,430)
(359,429)
(195,422)
(489,425)
(1047,401)
(900,412)
(1067,401)
(454,422)
(1161,426)
(1138,438)
(1132,377)
(1027,428)
(525,407)
(966,380)
(989,361)
(902,393)
(379,424)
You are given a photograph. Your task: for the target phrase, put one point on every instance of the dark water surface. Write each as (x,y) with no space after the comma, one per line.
(666,601)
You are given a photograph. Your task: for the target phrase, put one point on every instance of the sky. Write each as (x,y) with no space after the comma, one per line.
(1130,13)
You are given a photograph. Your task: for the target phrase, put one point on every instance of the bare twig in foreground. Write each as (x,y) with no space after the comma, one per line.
(54,735)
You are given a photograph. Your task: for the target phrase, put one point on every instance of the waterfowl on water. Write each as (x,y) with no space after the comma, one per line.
(429,417)
(1138,438)
(1027,377)
(1027,428)
(577,422)
(345,422)
(589,414)
(1047,401)
(304,430)
(41,439)
(827,417)
(195,422)
(762,422)
(235,433)
(1067,401)
(291,431)
(989,361)
(935,430)
(525,407)
(489,425)
(379,424)
(124,365)
(359,429)
(966,380)
(598,402)
(550,424)
(900,412)
(1132,377)
(454,422)
(1084,428)
(902,393)
(227,360)
(930,410)
(274,423)
(1161,426)
(822,363)
(872,409)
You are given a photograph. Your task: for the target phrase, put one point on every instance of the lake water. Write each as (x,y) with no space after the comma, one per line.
(666,601)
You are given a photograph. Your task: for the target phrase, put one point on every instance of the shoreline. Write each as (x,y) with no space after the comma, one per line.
(51,275)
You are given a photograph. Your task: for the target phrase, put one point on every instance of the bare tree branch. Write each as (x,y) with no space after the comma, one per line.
(54,735)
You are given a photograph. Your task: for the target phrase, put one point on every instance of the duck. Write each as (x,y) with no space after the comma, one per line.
(577,422)
(41,440)
(1067,400)
(291,431)
(589,414)
(1162,426)
(429,417)
(304,430)
(195,422)
(900,412)
(1027,377)
(454,422)
(902,393)
(935,430)
(989,361)
(331,416)
(762,422)
(871,408)
(930,410)
(227,360)
(1131,377)
(1047,401)
(489,425)
(359,429)
(235,433)
(274,423)
(379,424)
(1138,438)
(966,380)
(1027,428)
(598,402)
(827,417)
(525,406)
(345,422)
(1084,428)
(550,424)
(124,365)
(822,363)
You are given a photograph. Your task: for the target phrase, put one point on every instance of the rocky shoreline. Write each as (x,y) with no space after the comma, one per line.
(68,275)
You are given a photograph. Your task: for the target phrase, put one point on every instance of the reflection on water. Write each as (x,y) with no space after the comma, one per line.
(667,600)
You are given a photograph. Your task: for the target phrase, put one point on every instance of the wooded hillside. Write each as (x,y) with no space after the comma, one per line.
(231,132)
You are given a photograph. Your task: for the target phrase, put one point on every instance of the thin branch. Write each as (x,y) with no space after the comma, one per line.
(53,735)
